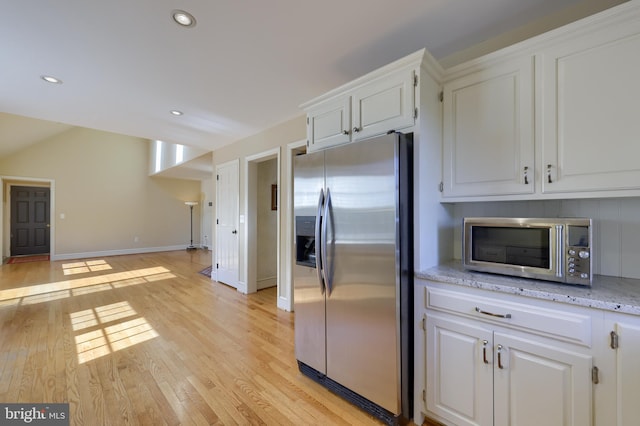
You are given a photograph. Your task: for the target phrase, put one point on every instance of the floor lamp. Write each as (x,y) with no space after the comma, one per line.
(191,204)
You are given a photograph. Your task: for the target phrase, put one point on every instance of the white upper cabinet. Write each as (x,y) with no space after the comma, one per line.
(329,124)
(383,105)
(591,117)
(567,98)
(379,102)
(488,131)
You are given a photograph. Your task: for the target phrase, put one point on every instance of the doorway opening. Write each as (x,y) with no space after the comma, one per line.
(27,225)
(262,208)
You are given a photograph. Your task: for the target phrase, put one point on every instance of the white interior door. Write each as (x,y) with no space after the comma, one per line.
(227,211)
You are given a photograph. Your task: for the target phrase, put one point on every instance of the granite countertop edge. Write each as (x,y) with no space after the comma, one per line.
(607,293)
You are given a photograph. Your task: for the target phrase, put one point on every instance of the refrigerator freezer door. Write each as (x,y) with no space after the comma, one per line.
(362,307)
(308,294)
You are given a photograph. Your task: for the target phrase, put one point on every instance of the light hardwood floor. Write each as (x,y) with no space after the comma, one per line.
(147,340)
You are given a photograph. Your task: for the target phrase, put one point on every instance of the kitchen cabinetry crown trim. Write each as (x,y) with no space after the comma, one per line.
(626,12)
(421,58)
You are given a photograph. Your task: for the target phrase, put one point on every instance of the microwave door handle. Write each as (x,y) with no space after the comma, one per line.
(559,251)
(318,243)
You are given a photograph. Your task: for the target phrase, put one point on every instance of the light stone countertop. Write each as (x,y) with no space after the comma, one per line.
(607,293)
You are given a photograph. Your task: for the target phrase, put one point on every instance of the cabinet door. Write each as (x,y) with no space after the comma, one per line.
(590,113)
(459,370)
(537,383)
(488,131)
(626,371)
(329,123)
(384,104)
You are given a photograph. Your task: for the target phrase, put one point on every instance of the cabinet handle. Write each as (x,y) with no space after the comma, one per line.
(492,314)
(526,177)
(595,377)
(356,130)
(484,351)
(345,132)
(549,173)
(614,340)
(500,366)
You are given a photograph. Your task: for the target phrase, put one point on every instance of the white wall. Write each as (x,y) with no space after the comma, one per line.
(616,223)
(104,201)
(279,136)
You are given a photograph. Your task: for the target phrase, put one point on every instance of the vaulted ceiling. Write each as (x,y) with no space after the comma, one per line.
(245,66)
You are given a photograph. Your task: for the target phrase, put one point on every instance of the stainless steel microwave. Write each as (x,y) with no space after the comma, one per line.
(558,249)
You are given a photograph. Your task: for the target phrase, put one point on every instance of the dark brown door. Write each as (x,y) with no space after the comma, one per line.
(29,220)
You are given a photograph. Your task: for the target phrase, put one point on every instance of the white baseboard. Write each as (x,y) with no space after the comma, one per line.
(104,253)
(267,282)
(242,287)
(285,304)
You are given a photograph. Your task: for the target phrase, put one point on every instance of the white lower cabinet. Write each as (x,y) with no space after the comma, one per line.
(478,374)
(459,382)
(505,360)
(620,371)
(539,382)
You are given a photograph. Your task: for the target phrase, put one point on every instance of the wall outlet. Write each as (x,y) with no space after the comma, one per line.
(136,239)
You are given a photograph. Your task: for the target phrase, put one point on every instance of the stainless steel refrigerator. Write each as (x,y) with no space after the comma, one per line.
(353,273)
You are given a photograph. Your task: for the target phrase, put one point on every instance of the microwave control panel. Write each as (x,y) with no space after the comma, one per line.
(578,255)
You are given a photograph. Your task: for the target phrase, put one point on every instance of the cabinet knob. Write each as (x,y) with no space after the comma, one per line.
(345,132)
(549,173)
(526,175)
(356,130)
(500,366)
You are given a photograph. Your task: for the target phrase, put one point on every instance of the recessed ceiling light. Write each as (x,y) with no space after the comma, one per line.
(176,112)
(51,79)
(183,18)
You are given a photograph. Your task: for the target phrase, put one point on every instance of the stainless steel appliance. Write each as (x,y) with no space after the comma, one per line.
(353,273)
(555,249)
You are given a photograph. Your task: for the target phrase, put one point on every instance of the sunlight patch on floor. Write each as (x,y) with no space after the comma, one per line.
(84,267)
(109,333)
(47,292)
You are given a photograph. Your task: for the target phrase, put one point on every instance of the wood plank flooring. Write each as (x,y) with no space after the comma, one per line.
(147,340)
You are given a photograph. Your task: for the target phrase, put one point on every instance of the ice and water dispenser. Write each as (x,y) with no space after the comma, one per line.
(306,241)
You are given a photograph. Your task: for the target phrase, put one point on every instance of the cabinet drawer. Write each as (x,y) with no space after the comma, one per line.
(567,326)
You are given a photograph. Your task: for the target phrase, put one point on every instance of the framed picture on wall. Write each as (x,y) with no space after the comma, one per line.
(274,197)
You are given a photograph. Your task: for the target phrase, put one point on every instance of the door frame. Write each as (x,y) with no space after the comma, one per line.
(285,295)
(250,241)
(6,182)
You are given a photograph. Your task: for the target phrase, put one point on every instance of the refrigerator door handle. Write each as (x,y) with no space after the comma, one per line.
(318,245)
(326,272)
